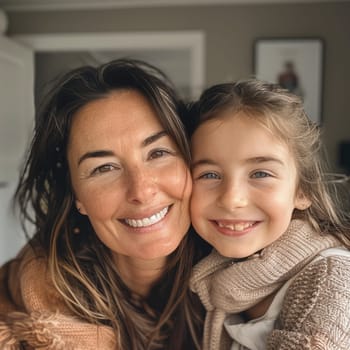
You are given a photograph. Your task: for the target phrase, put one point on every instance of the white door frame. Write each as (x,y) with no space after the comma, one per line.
(193,41)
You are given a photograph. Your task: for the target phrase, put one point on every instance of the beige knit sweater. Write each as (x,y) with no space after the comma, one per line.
(32,312)
(316,310)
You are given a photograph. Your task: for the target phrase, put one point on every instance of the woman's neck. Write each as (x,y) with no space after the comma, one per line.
(138,274)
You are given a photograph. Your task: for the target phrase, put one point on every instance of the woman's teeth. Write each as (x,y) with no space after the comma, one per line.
(147,221)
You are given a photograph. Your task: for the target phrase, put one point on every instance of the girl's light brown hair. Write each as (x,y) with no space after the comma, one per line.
(282,113)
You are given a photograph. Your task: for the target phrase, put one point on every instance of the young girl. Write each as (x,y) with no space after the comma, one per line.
(279,276)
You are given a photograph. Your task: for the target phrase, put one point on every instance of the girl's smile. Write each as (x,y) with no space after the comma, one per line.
(244,185)
(234,228)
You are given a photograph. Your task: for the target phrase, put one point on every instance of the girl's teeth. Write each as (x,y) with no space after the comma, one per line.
(147,221)
(235,227)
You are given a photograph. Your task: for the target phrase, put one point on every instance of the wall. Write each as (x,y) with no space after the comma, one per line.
(230,34)
(49,65)
(11,234)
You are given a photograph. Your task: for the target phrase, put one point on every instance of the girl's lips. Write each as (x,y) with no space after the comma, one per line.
(234,228)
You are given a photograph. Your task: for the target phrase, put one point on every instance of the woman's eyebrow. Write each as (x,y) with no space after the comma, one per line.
(154,138)
(108,153)
(95,154)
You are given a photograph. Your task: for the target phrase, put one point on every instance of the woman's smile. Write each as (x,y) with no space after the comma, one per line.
(133,187)
(147,221)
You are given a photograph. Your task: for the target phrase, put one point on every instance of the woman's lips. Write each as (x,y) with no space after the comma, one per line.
(148,221)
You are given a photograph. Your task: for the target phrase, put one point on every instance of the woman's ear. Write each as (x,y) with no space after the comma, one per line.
(80,207)
(301,201)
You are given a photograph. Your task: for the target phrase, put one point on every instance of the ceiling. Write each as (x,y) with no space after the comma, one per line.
(34,5)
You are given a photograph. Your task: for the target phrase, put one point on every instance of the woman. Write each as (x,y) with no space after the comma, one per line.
(107,186)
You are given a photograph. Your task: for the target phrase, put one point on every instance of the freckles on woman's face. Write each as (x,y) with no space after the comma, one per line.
(129,177)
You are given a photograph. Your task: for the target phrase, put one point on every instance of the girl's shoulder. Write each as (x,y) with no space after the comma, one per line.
(316,307)
(334,252)
(317,303)
(326,276)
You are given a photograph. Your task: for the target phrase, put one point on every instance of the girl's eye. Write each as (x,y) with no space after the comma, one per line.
(260,174)
(209,176)
(105,168)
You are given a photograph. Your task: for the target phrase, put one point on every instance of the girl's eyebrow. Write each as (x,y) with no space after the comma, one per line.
(264,159)
(107,153)
(203,161)
(252,160)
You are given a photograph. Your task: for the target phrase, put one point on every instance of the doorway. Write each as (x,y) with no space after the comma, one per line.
(180,54)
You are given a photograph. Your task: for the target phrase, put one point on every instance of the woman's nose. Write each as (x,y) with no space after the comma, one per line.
(233,196)
(142,185)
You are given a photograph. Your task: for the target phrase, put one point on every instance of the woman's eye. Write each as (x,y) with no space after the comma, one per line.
(260,174)
(105,168)
(209,176)
(159,153)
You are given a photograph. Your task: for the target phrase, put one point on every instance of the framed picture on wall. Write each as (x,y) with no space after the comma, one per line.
(295,64)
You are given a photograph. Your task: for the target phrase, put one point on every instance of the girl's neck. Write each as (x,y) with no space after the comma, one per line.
(259,309)
(138,274)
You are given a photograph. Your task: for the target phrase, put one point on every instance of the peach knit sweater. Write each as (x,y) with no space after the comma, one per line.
(32,312)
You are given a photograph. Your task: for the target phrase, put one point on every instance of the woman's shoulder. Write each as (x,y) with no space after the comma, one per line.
(32,311)
(10,282)
(33,275)
(53,331)
(26,285)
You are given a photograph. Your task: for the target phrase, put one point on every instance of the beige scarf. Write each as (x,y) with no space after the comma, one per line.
(226,287)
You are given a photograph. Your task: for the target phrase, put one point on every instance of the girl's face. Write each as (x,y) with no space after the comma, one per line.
(244,185)
(129,177)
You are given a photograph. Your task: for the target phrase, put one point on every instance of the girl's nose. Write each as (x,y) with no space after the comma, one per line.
(233,196)
(141,185)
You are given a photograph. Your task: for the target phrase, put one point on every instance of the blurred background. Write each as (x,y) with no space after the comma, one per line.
(196,42)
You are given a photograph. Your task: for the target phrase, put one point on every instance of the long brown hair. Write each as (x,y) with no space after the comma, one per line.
(283,115)
(80,266)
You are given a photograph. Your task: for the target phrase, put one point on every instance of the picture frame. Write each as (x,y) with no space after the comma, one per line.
(296,64)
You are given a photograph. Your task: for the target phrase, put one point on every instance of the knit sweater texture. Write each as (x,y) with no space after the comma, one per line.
(315,312)
(33,315)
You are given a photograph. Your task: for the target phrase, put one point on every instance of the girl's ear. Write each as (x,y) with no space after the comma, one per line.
(301,202)
(80,207)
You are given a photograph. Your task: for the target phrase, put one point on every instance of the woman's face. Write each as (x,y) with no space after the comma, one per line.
(129,177)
